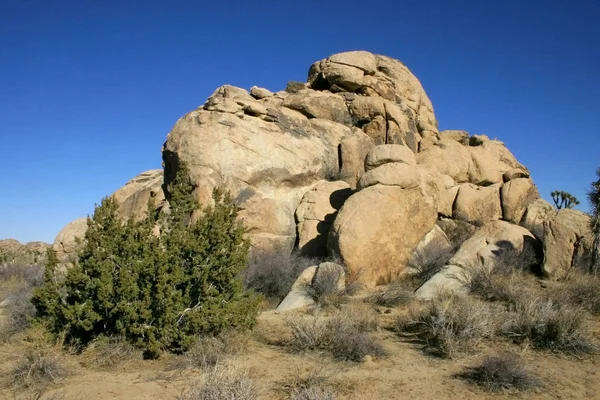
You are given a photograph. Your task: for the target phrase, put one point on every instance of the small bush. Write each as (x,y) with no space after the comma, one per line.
(108,352)
(294,86)
(224,382)
(37,369)
(451,326)
(547,325)
(344,335)
(313,393)
(158,292)
(326,289)
(503,371)
(498,287)
(580,290)
(18,314)
(428,262)
(210,350)
(273,273)
(32,275)
(309,385)
(395,294)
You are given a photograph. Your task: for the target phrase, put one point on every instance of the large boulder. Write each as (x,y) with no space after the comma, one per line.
(477,204)
(567,243)
(535,215)
(494,245)
(315,214)
(448,157)
(389,153)
(491,160)
(378,228)
(517,194)
(133,197)
(69,240)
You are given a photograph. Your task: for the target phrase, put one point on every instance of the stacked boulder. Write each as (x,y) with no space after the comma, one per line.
(352,163)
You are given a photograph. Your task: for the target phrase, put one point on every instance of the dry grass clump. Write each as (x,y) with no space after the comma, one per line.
(501,371)
(309,385)
(548,325)
(344,335)
(16,287)
(37,366)
(325,289)
(109,352)
(506,288)
(223,382)
(450,325)
(394,295)
(580,290)
(210,350)
(273,273)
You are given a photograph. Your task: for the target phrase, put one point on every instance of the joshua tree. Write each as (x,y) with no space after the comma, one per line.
(593,196)
(564,199)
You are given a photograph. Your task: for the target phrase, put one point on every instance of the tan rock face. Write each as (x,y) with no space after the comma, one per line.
(315,214)
(567,239)
(133,197)
(390,153)
(378,228)
(517,194)
(477,204)
(449,158)
(68,242)
(491,159)
(535,215)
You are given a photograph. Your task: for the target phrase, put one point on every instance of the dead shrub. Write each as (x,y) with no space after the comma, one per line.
(32,275)
(395,294)
(308,385)
(38,368)
(449,325)
(500,287)
(211,350)
(109,352)
(325,289)
(580,290)
(547,325)
(501,371)
(18,314)
(344,335)
(426,263)
(313,393)
(273,273)
(223,382)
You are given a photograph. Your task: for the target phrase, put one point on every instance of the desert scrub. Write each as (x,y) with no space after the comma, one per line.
(17,283)
(344,335)
(109,352)
(580,290)
(209,351)
(450,326)
(393,295)
(548,325)
(272,273)
(501,371)
(223,382)
(308,385)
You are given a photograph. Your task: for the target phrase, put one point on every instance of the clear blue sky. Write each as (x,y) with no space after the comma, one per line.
(90,89)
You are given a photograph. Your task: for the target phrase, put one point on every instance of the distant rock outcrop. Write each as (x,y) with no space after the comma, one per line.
(352,163)
(13,252)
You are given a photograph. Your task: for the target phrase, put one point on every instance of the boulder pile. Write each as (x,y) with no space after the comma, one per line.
(352,164)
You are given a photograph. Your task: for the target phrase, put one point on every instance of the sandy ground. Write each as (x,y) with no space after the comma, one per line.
(407,373)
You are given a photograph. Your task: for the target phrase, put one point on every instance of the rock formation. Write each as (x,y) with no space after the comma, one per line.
(352,163)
